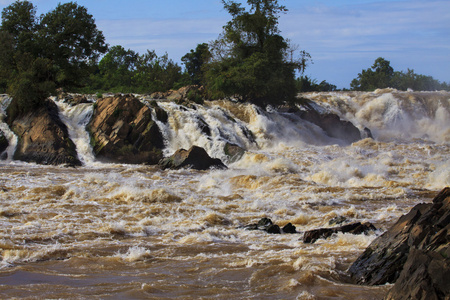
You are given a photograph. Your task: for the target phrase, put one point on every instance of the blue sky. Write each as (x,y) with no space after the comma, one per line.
(342,36)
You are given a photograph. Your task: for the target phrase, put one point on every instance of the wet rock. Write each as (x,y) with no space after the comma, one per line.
(323,233)
(289,228)
(3,146)
(337,220)
(196,158)
(330,123)
(274,229)
(414,253)
(123,131)
(266,224)
(234,152)
(43,138)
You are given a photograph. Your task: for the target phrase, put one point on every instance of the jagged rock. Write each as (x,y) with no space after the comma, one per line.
(196,158)
(414,253)
(274,229)
(337,220)
(234,152)
(43,138)
(323,233)
(123,131)
(3,145)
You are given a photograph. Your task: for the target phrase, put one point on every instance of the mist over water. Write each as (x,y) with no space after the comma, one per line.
(135,231)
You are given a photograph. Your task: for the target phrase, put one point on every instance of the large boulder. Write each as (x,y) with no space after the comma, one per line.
(414,253)
(195,158)
(123,131)
(43,138)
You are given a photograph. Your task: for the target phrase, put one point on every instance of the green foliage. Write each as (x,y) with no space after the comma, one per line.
(195,61)
(382,75)
(250,60)
(125,71)
(306,84)
(38,55)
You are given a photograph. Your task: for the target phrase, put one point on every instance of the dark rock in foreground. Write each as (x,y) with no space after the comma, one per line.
(323,233)
(414,253)
(43,138)
(123,131)
(195,158)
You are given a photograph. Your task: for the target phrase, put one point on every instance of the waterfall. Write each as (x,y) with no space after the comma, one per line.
(76,118)
(10,136)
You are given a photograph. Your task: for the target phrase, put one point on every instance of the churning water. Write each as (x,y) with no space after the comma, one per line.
(106,231)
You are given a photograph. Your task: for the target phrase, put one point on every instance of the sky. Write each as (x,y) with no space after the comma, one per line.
(343,37)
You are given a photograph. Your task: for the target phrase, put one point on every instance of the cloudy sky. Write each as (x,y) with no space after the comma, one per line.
(342,36)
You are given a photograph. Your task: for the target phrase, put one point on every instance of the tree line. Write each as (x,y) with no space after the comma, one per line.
(249,61)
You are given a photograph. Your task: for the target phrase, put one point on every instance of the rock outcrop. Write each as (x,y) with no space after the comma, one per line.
(323,233)
(414,253)
(123,131)
(43,138)
(195,158)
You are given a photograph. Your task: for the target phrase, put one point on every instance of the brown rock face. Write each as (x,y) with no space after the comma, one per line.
(414,253)
(122,131)
(43,138)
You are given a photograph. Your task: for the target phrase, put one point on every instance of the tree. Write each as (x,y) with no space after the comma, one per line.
(250,59)
(195,61)
(378,76)
(117,69)
(72,41)
(57,50)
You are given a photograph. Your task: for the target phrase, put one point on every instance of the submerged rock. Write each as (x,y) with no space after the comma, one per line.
(323,233)
(414,253)
(196,158)
(234,152)
(123,131)
(43,138)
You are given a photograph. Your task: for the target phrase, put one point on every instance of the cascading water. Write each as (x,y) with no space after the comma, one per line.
(10,136)
(137,231)
(76,118)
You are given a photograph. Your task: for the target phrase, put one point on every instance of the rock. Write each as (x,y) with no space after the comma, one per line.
(43,138)
(274,229)
(266,224)
(123,131)
(414,253)
(355,228)
(196,158)
(337,220)
(3,145)
(330,123)
(289,228)
(234,152)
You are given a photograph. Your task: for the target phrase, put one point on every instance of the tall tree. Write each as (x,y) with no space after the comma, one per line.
(250,58)
(378,76)
(195,61)
(39,55)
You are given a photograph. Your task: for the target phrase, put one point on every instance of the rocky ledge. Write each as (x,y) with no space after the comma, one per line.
(414,254)
(43,138)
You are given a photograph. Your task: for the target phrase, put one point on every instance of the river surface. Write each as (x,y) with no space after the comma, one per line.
(108,231)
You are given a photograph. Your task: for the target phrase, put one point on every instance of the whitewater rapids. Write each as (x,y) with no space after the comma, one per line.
(133,231)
